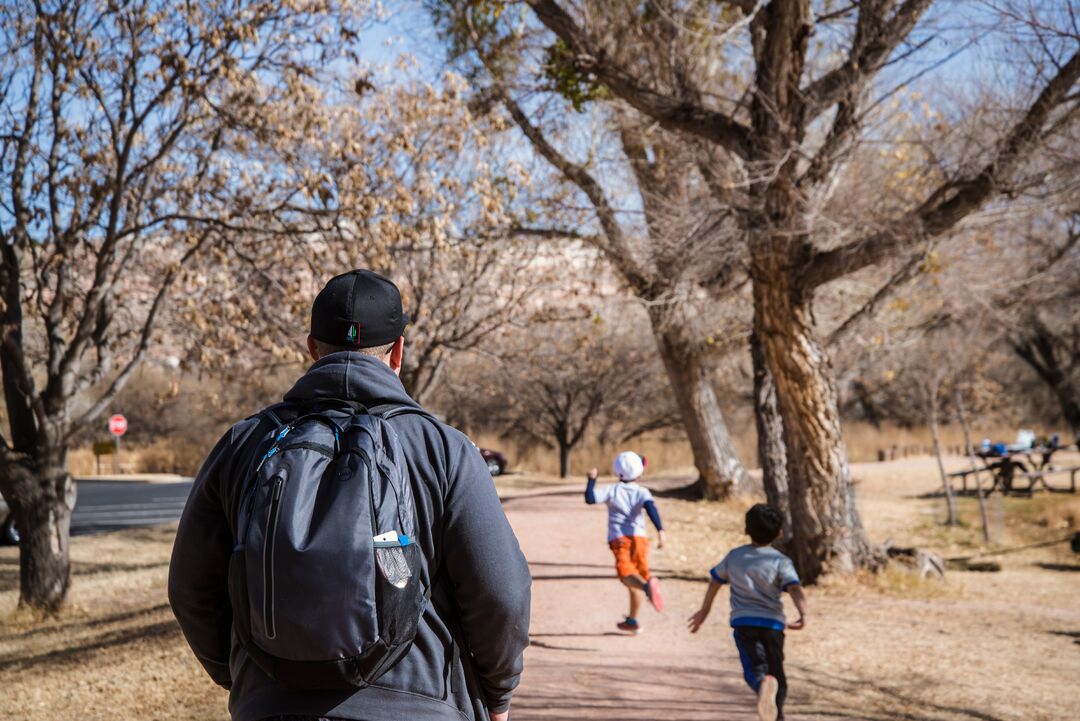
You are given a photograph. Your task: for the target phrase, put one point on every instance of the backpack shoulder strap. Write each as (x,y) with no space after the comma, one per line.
(389,410)
(287,412)
(341,404)
(280,413)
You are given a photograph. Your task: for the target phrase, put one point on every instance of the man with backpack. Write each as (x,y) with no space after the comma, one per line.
(343,554)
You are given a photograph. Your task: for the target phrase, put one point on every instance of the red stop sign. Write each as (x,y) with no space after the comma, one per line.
(118,425)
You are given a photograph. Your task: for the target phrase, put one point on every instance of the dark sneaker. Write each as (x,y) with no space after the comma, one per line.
(652,592)
(630,625)
(766,700)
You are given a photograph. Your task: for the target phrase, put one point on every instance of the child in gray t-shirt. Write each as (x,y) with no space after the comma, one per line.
(758,575)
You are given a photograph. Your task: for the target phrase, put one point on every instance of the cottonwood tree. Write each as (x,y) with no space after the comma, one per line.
(656,241)
(408,183)
(788,131)
(125,134)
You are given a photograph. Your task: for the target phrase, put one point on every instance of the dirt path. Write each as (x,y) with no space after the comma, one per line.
(579,665)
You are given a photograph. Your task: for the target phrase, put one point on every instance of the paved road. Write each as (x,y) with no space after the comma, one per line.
(113,505)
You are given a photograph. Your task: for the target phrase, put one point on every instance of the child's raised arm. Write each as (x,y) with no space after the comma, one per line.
(590,487)
(698,619)
(799,597)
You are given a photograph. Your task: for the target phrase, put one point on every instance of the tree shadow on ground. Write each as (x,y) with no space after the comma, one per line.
(693,491)
(1074,635)
(75,653)
(595,577)
(555,647)
(1066,567)
(89,623)
(867,700)
(529,496)
(9,574)
(86,568)
(564,564)
(575,688)
(9,570)
(605,566)
(576,635)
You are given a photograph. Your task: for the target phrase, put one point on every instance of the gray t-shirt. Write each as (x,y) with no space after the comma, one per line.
(624,502)
(758,575)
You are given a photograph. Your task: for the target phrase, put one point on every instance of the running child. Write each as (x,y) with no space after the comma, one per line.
(758,574)
(625,501)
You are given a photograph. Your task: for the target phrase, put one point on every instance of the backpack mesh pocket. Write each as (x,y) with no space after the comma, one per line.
(399,606)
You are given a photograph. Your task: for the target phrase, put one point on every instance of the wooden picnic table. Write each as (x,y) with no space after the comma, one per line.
(1030,464)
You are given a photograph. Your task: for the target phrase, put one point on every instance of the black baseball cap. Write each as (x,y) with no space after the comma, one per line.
(358,309)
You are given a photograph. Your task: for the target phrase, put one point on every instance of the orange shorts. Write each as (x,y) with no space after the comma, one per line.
(631,556)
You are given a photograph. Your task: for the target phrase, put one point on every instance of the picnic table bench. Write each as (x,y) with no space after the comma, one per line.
(1007,468)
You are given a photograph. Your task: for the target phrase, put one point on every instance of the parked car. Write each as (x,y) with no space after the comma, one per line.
(496,462)
(9,535)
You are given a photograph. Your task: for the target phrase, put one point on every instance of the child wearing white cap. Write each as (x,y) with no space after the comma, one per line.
(625,501)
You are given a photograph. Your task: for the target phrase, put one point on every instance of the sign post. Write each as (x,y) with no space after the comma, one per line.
(117,426)
(103,448)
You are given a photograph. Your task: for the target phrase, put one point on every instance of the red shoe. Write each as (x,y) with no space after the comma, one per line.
(630,625)
(652,592)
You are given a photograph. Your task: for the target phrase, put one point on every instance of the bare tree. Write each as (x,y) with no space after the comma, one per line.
(933,393)
(571,379)
(789,133)
(123,129)
(969,451)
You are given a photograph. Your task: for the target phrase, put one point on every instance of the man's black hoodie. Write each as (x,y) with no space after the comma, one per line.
(467,657)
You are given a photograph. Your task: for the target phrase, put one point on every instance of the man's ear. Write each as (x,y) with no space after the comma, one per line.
(312,350)
(397,353)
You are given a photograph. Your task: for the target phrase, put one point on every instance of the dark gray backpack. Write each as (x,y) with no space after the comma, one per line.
(325,576)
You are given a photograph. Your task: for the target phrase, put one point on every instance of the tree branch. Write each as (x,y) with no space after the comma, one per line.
(612,243)
(672,113)
(954,200)
(875,40)
(905,273)
(145,335)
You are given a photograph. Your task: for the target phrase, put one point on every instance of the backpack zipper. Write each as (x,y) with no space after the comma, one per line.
(268,556)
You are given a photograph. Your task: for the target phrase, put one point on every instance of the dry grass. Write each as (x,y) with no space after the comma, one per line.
(669,452)
(664,453)
(163,456)
(863,440)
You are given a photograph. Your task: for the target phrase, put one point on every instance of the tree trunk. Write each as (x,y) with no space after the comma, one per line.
(41,495)
(826,530)
(1040,351)
(946,487)
(770,438)
(1069,399)
(721,471)
(969,451)
(564,459)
